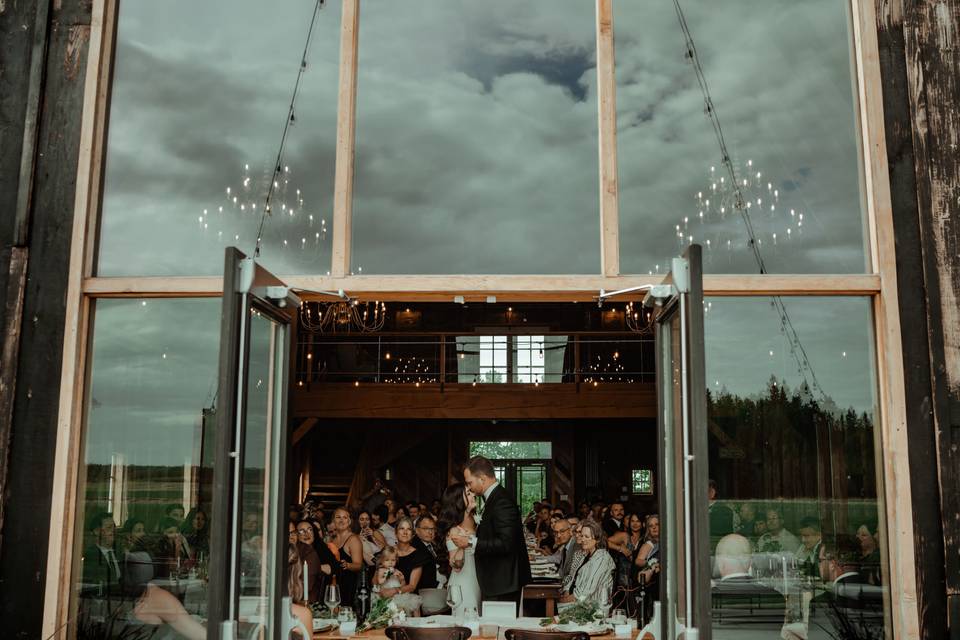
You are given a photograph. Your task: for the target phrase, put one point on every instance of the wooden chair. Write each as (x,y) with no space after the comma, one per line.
(527,634)
(427,633)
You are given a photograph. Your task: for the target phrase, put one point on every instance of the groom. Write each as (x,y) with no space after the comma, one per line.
(500,549)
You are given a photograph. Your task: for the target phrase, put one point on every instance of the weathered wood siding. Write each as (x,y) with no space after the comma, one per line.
(921,86)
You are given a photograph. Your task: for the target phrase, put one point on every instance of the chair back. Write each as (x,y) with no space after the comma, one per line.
(427,633)
(529,634)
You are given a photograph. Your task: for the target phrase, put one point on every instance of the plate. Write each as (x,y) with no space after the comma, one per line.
(321,626)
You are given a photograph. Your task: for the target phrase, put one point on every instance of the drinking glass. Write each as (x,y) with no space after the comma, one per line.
(331,597)
(345,614)
(618,616)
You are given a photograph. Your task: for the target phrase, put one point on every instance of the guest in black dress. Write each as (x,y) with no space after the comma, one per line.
(416,564)
(351,554)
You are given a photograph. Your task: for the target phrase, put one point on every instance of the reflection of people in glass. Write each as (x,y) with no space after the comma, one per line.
(101,566)
(173,555)
(196,531)
(174,512)
(251,550)
(869,555)
(808,554)
(776,539)
(737,594)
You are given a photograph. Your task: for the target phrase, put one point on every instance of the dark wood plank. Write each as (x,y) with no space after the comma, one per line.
(464,401)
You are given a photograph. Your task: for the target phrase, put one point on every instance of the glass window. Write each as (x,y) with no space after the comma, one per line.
(476,138)
(493,358)
(796,524)
(642,482)
(143,533)
(512,450)
(530,359)
(781,81)
(199,100)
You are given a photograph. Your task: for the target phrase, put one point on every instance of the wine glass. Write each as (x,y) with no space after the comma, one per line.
(331,597)
(454,598)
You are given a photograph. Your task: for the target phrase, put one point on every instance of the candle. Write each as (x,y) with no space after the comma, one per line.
(306,589)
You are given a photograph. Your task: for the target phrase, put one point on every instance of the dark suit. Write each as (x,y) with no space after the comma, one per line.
(501,553)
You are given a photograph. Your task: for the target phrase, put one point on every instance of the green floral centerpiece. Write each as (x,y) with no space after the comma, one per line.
(581,612)
(383,613)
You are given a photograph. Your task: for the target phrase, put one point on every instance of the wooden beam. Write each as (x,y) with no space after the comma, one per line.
(301,432)
(63,514)
(506,288)
(607,117)
(346,140)
(461,401)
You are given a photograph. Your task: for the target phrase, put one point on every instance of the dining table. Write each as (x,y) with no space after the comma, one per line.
(490,629)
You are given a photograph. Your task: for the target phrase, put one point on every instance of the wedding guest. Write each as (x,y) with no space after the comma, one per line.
(372,540)
(737,596)
(614,521)
(808,554)
(596,512)
(101,567)
(748,522)
(840,570)
(623,545)
(196,530)
(435,508)
(377,495)
(174,512)
(414,562)
(869,559)
(563,534)
(306,554)
(584,510)
(173,555)
(299,607)
(578,556)
(720,517)
(648,556)
(327,562)
(389,583)
(133,536)
(350,550)
(391,519)
(380,523)
(777,539)
(413,511)
(593,580)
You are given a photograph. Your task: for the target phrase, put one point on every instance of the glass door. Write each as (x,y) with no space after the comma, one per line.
(682,430)
(249,562)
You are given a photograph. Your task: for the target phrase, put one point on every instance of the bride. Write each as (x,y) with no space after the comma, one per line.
(456,519)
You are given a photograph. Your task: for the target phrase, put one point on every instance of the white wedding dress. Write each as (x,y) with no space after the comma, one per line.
(466,578)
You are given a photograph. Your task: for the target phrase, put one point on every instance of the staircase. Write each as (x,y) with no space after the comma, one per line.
(332,491)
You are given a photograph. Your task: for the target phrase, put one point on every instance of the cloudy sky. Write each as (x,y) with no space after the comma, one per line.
(476,153)
(476,135)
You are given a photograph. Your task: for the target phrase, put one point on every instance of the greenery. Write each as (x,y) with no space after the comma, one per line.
(512,450)
(381,615)
(581,612)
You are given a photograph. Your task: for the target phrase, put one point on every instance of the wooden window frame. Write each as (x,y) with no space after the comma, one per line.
(879,284)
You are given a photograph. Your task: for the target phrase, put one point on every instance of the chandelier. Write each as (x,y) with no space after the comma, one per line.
(638,319)
(343,316)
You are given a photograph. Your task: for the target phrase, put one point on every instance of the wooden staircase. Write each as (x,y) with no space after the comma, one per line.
(332,491)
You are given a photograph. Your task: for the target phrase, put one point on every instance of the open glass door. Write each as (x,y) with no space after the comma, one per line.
(248,536)
(682,430)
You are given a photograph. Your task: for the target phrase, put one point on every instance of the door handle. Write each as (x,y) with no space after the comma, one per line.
(290,622)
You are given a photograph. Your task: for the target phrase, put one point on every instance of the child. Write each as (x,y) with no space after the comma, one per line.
(388,577)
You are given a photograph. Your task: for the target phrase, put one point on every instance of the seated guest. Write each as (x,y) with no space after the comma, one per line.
(196,531)
(379,518)
(648,557)
(173,555)
(776,539)
(372,540)
(133,536)
(435,508)
(623,546)
(720,516)
(747,526)
(391,518)
(614,521)
(417,565)
(327,563)
(101,566)
(413,511)
(583,511)
(175,512)
(578,555)
(869,558)
(541,526)
(426,530)
(593,580)
(738,596)
(808,555)
(300,600)
(841,573)
(565,542)
(596,511)
(307,555)
(531,519)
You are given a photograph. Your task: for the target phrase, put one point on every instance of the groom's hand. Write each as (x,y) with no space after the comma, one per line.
(461,541)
